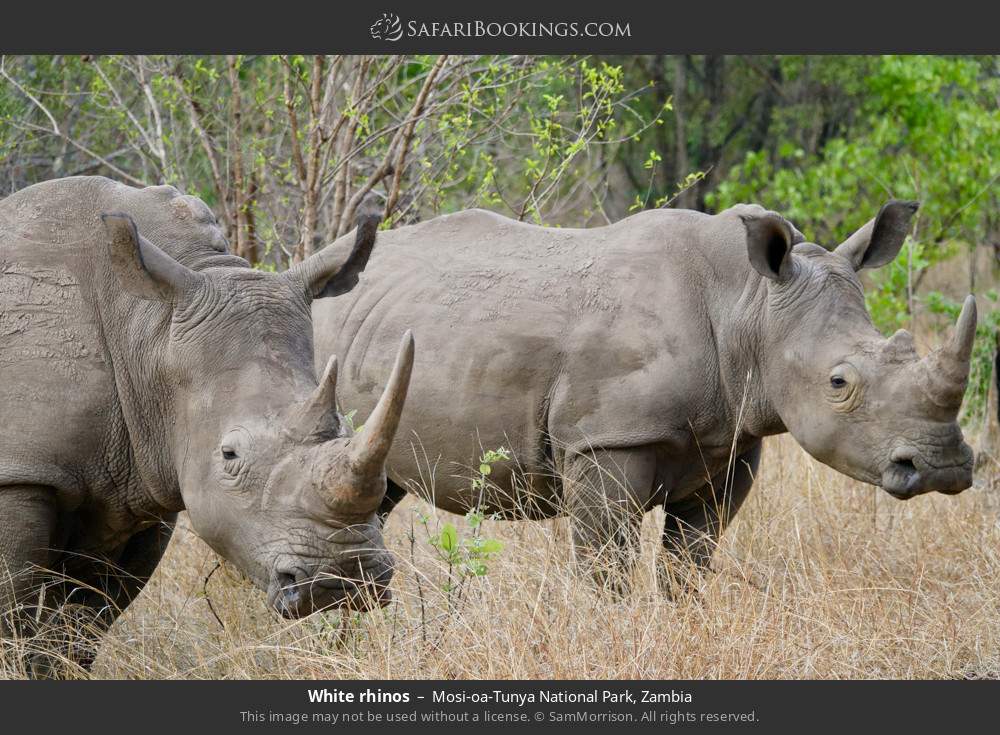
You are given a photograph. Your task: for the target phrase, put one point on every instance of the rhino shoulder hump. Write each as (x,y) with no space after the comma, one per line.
(471,218)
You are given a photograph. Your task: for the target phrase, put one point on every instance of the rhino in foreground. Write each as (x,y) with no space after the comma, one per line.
(141,377)
(641,364)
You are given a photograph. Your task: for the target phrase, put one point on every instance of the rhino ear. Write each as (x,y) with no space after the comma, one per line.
(327,273)
(878,242)
(769,245)
(143,269)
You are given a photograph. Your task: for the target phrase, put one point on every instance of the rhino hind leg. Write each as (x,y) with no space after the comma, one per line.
(605,495)
(694,525)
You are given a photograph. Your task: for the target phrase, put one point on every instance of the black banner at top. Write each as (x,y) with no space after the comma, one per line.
(393,27)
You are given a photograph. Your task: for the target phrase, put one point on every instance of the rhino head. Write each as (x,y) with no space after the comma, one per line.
(868,406)
(272,476)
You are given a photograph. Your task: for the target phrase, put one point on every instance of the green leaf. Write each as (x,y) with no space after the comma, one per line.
(491,546)
(448,538)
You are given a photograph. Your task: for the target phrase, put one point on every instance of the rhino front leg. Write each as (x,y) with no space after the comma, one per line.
(91,597)
(695,524)
(606,492)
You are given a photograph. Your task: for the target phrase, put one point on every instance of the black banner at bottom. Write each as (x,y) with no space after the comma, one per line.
(524,706)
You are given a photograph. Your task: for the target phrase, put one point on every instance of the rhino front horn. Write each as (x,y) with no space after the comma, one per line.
(962,340)
(948,367)
(370,446)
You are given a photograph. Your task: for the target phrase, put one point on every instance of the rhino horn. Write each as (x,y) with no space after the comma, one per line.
(947,368)
(317,417)
(370,445)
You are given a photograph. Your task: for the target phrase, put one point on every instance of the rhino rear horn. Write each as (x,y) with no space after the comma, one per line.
(327,273)
(371,444)
(317,419)
(143,269)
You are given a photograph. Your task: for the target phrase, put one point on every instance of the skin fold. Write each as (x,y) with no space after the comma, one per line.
(641,364)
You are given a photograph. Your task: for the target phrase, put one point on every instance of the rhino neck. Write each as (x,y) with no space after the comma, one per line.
(136,334)
(739,316)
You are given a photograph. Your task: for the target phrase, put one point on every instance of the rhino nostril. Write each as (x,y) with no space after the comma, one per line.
(906,465)
(290,591)
(902,458)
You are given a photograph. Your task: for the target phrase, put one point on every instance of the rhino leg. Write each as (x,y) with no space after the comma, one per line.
(92,596)
(27,524)
(605,494)
(695,524)
(28,518)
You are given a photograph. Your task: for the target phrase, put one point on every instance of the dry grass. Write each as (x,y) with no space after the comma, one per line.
(819,576)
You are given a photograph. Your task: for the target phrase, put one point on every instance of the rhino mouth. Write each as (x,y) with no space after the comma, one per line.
(908,474)
(294,595)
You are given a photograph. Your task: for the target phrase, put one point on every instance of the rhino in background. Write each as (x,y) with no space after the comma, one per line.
(641,364)
(141,377)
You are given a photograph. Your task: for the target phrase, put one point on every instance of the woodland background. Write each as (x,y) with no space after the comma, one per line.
(284,147)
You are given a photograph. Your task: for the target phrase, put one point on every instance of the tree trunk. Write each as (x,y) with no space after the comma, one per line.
(243,247)
(686,198)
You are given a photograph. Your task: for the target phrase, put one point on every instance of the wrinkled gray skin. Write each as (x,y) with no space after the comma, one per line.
(144,371)
(632,361)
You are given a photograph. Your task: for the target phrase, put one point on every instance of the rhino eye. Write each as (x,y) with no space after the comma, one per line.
(228,454)
(838,382)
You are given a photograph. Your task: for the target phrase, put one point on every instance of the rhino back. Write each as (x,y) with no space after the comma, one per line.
(521,331)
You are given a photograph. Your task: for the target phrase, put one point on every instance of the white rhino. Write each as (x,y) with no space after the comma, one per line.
(641,364)
(141,377)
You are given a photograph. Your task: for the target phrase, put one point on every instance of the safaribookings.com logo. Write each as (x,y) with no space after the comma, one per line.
(390,28)
(387,28)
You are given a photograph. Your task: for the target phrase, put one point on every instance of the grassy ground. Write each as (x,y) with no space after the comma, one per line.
(819,576)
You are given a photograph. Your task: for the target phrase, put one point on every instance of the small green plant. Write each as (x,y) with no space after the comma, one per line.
(467,555)
(486,462)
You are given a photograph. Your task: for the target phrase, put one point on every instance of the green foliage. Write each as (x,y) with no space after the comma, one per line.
(924,128)
(523,135)
(467,555)
(888,299)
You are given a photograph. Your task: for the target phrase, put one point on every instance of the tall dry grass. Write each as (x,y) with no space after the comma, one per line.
(819,576)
